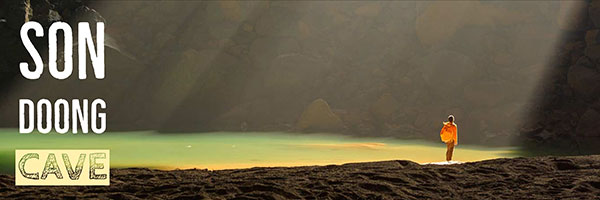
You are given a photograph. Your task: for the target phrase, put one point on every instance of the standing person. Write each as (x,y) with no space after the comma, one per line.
(449,135)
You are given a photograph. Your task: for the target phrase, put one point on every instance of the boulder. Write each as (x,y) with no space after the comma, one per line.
(319,117)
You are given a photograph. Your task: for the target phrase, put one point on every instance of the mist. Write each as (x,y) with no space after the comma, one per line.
(360,68)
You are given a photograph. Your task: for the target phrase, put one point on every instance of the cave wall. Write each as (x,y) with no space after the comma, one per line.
(565,117)
(384,68)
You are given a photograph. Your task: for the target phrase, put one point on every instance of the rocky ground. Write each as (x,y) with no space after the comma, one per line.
(516,178)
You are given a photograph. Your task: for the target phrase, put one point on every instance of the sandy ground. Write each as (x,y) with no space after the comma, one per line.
(517,178)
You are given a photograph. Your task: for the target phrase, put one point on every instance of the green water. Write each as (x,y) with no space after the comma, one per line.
(226,150)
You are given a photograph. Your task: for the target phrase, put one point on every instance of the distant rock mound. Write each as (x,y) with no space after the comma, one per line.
(318,117)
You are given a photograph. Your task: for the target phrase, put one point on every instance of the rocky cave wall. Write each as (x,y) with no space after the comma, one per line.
(372,68)
(566,115)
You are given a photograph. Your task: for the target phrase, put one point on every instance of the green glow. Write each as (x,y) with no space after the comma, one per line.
(223,150)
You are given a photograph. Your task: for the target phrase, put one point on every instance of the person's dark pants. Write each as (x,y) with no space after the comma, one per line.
(449,150)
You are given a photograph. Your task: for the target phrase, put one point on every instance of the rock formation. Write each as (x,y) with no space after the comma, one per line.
(318,117)
(387,68)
